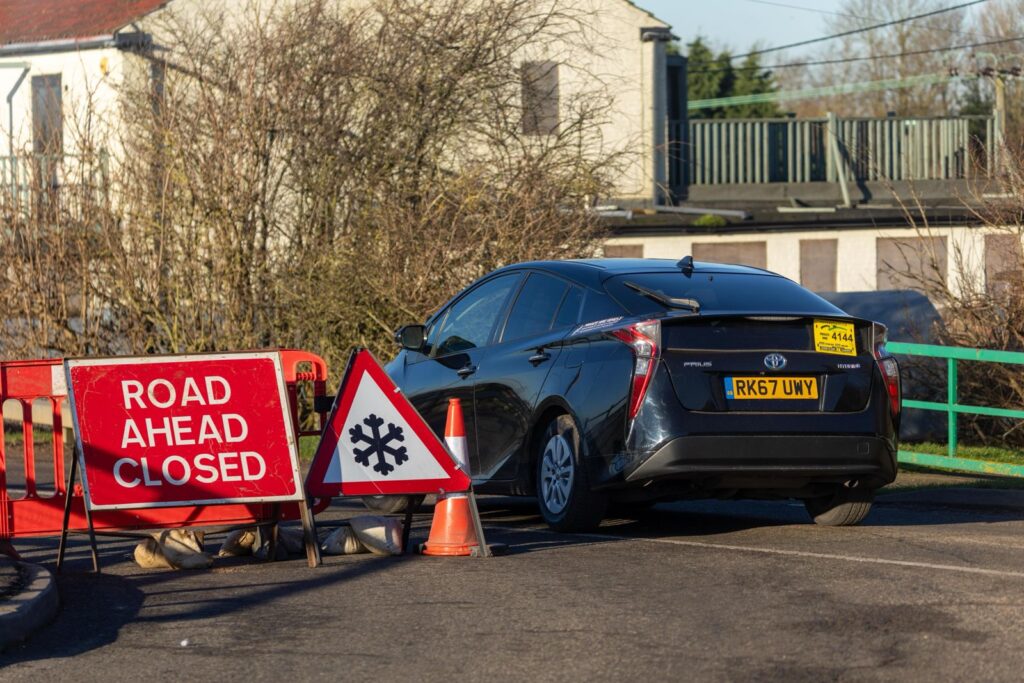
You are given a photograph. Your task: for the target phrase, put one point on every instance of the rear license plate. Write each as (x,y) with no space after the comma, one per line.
(746,388)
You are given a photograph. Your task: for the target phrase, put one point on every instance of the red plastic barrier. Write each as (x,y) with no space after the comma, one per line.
(32,514)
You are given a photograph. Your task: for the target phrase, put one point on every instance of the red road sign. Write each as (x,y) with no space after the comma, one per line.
(165,431)
(376,443)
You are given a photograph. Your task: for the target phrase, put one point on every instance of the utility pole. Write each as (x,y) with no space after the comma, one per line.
(999,122)
(998,73)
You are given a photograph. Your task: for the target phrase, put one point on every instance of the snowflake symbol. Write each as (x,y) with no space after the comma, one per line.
(378,445)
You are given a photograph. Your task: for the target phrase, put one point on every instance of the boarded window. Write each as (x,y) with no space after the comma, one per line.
(623,251)
(818,260)
(910,262)
(540,97)
(745,253)
(47,115)
(1003,262)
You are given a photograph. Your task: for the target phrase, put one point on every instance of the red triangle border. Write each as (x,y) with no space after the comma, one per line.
(362,361)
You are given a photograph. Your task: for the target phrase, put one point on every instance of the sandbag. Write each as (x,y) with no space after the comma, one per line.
(149,555)
(173,549)
(261,549)
(292,539)
(184,548)
(342,541)
(238,543)
(380,535)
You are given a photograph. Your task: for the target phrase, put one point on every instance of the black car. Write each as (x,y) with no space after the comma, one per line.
(633,381)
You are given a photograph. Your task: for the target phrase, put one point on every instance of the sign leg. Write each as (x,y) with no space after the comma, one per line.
(309,534)
(272,530)
(478,527)
(69,492)
(406,529)
(92,539)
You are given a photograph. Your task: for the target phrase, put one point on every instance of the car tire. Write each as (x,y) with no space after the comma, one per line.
(563,490)
(391,505)
(844,507)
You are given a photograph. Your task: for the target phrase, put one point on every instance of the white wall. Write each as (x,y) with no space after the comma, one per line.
(611,56)
(89,75)
(856,268)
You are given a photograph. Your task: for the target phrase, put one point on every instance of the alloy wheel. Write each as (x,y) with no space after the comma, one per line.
(557,471)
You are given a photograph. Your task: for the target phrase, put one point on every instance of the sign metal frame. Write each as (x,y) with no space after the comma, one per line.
(299,495)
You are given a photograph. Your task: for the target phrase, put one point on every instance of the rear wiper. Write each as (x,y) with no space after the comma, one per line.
(664,299)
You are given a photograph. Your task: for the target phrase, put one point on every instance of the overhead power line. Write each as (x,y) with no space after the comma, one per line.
(846,60)
(864,29)
(826,91)
(974,34)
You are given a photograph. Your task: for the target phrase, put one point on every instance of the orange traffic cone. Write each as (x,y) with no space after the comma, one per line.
(451,531)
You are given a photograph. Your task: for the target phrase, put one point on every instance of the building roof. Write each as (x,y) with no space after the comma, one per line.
(36,21)
(648,12)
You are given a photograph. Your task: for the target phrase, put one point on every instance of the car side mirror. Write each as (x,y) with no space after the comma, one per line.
(412,337)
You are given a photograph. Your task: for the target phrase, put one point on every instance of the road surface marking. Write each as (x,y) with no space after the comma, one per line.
(808,554)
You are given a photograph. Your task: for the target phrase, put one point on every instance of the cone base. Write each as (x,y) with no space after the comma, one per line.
(437,550)
(451,531)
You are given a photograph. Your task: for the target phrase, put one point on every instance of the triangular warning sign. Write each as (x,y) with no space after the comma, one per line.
(376,443)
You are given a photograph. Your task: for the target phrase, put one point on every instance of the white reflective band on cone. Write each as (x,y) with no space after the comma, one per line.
(459,450)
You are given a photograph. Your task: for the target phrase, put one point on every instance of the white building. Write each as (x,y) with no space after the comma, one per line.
(58,58)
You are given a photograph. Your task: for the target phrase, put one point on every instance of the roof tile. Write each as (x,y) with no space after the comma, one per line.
(31,21)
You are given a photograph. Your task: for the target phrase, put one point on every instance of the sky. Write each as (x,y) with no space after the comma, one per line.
(738,24)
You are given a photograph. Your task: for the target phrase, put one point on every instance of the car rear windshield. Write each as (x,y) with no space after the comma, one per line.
(716,293)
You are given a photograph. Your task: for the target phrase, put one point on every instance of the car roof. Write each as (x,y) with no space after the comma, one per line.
(593,272)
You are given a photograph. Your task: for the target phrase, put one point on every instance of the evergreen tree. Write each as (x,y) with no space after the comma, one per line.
(751,79)
(712,76)
(706,77)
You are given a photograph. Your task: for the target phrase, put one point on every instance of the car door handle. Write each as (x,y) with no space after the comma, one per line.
(466,371)
(539,357)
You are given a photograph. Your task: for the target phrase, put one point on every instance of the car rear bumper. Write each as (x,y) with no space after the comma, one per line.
(871,460)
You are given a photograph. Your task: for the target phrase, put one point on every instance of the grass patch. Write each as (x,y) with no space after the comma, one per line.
(307,447)
(915,478)
(1009,456)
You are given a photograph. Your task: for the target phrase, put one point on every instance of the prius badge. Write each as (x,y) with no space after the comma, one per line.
(775,361)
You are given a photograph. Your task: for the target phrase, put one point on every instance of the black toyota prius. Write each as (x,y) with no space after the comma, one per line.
(634,381)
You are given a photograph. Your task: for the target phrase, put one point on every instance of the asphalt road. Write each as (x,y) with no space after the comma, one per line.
(704,591)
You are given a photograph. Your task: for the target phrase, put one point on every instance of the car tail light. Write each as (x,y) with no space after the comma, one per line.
(645,340)
(887,364)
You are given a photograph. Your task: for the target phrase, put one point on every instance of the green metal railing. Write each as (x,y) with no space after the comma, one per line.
(953,408)
(832,149)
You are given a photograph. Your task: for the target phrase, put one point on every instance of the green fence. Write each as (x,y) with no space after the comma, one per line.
(953,408)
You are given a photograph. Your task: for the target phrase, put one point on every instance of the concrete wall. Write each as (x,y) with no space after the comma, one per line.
(857,263)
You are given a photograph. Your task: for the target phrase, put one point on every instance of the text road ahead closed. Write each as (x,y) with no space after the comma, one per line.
(184,430)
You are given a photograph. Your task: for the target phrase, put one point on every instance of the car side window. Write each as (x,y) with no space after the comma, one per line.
(569,311)
(535,307)
(470,321)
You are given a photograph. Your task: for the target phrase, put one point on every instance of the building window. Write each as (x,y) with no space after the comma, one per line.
(540,97)
(47,115)
(911,262)
(1003,261)
(744,253)
(623,251)
(818,259)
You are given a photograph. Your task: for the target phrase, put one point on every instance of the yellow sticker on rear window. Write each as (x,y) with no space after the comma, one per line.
(834,337)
